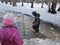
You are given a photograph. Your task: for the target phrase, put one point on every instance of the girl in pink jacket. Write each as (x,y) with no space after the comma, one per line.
(9,34)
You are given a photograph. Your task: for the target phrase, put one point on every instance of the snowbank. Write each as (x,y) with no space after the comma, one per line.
(52,18)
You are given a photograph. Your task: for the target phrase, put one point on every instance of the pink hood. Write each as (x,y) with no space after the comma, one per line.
(8,19)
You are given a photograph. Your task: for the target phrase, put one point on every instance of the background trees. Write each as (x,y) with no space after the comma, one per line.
(42,1)
(22,3)
(59,5)
(49,6)
(32,3)
(2,1)
(53,7)
(14,3)
(51,3)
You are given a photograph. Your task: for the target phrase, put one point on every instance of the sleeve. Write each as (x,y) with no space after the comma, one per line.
(0,34)
(18,38)
(36,21)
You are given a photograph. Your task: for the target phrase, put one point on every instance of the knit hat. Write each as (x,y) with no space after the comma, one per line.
(8,19)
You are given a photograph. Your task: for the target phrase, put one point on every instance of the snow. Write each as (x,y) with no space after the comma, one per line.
(38,41)
(44,15)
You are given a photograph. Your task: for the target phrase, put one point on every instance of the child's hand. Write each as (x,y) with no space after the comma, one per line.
(0,43)
(33,23)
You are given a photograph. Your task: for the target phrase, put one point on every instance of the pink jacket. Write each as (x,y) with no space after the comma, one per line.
(10,36)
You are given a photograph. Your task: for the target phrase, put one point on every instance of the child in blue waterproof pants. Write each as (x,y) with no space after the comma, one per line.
(36,22)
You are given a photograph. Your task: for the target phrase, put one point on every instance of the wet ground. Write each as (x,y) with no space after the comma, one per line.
(50,30)
(24,23)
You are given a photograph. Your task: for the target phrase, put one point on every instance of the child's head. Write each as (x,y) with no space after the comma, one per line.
(8,19)
(34,13)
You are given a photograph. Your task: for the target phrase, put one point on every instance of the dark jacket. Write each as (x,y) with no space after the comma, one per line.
(37,21)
